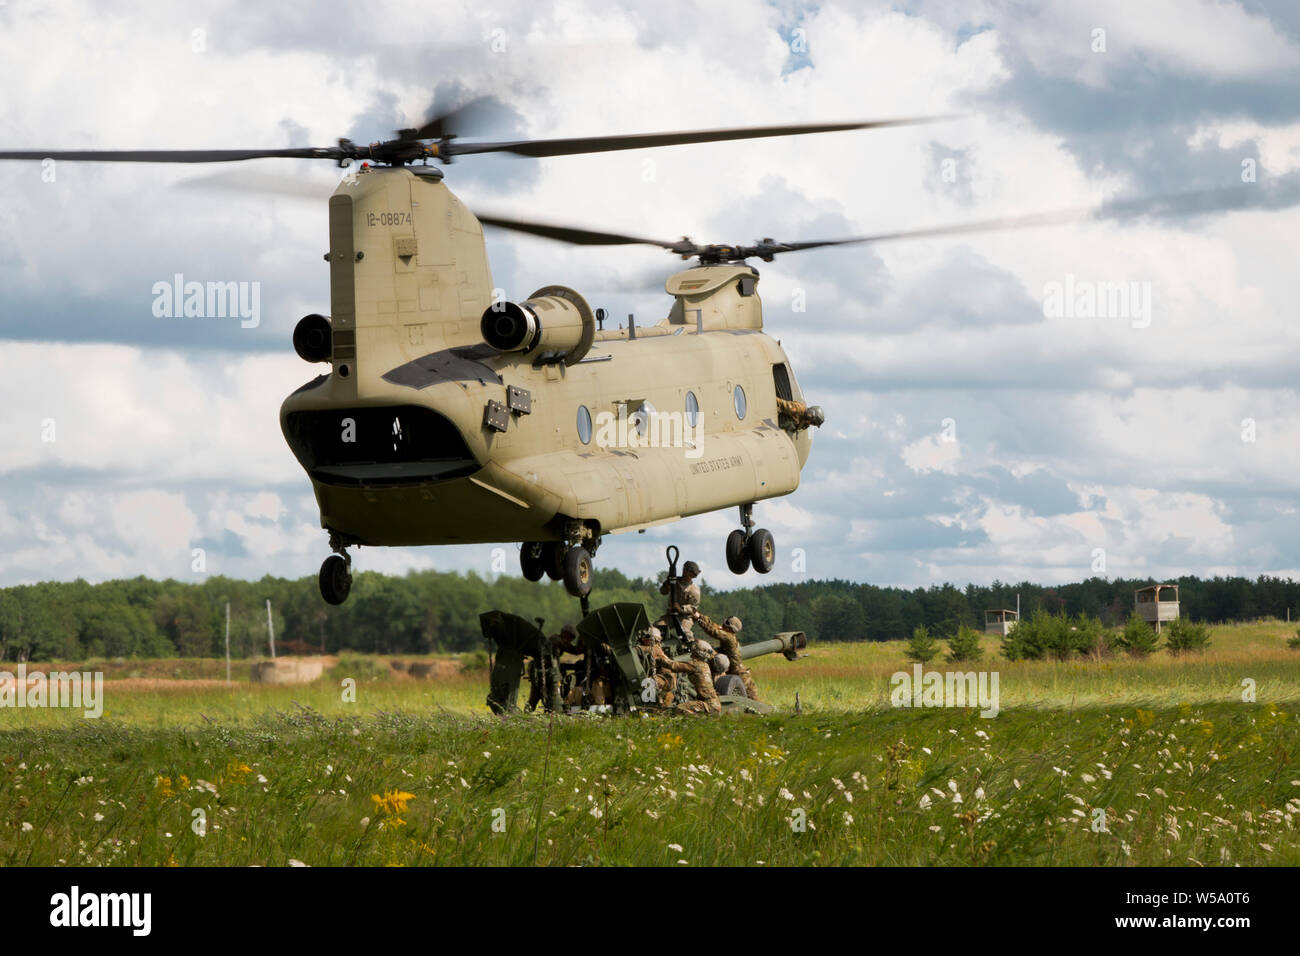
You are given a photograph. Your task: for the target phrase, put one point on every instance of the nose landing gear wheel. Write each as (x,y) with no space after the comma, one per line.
(335,579)
(762,550)
(532,560)
(577,572)
(737,552)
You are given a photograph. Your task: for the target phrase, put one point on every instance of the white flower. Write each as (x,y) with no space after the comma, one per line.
(952,785)
(596,812)
(676,847)
(848,819)
(1087,778)
(99,817)
(261,779)
(936,828)
(365,821)
(297,863)
(979,793)
(785,794)
(27,827)
(925,801)
(487,753)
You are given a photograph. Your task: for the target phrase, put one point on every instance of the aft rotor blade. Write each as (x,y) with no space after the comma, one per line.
(603,144)
(170,155)
(454,122)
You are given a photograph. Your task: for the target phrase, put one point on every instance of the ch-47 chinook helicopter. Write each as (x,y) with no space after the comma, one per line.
(446,417)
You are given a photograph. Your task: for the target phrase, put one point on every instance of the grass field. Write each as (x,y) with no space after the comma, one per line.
(1117,762)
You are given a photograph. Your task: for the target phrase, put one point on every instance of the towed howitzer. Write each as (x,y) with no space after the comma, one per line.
(616,674)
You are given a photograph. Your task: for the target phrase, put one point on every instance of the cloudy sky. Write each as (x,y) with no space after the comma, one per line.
(973,430)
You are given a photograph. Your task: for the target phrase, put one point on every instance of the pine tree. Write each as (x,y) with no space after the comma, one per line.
(922,648)
(965,645)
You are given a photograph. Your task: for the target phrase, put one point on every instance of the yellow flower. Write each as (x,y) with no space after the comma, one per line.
(1145,717)
(669,741)
(164,786)
(1207,727)
(392,803)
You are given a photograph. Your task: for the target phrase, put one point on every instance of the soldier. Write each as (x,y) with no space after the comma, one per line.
(728,638)
(690,597)
(548,658)
(799,416)
(661,670)
(706,698)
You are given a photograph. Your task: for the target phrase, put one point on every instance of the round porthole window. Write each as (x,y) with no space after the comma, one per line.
(692,409)
(740,402)
(584,424)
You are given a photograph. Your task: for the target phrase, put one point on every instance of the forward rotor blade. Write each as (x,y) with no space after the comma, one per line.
(575,235)
(170,155)
(603,144)
(1192,203)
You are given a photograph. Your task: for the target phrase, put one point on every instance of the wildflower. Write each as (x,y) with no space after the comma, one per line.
(297,863)
(99,817)
(595,811)
(675,847)
(1087,778)
(365,821)
(393,802)
(848,819)
(925,801)
(27,827)
(936,828)
(785,794)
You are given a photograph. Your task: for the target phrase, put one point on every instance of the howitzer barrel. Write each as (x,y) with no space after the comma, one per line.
(788,643)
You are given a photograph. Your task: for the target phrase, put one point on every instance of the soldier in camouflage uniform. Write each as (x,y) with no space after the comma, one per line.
(548,658)
(799,416)
(706,698)
(661,670)
(690,592)
(728,638)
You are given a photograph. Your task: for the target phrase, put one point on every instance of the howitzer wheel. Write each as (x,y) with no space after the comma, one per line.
(730,685)
(737,552)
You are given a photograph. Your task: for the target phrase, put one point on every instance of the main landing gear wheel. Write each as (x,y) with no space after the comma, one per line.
(532,560)
(335,579)
(737,552)
(747,547)
(577,572)
(762,550)
(553,560)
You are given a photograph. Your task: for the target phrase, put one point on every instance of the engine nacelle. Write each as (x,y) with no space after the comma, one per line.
(313,338)
(555,322)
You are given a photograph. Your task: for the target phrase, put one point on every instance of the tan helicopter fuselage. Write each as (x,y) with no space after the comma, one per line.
(423,434)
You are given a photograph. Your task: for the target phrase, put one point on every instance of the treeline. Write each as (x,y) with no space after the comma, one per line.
(430,611)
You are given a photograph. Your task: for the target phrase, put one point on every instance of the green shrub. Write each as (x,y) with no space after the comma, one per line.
(1138,638)
(1187,636)
(360,667)
(922,648)
(965,645)
(1294,643)
(476,660)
